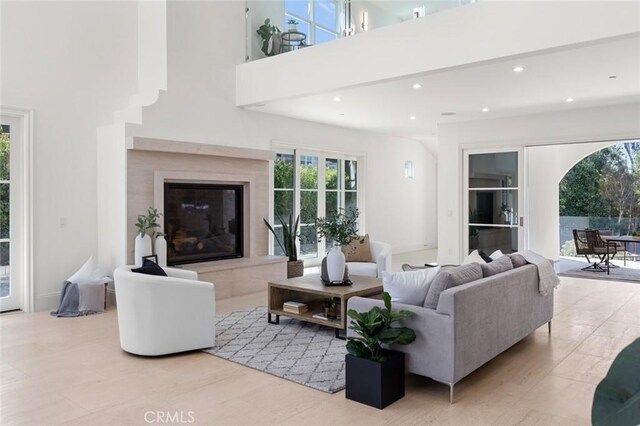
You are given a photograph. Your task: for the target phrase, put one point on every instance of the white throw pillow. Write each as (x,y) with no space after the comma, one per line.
(474,256)
(496,255)
(409,287)
(88,273)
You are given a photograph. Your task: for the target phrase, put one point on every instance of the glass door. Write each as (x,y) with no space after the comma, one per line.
(493,200)
(9,245)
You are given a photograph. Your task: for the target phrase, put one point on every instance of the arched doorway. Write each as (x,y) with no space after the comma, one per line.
(602,191)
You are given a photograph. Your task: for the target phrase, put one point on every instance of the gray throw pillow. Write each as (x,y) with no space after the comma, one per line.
(517,260)
(501,264)
(451,277)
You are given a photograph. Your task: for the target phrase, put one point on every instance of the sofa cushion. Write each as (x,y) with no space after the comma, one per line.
(362,268)
(474,256)
(358,250)
(409,287)
(496,255)
(501,264)
(451,277)
(517,260)
(150,267)
(485,256)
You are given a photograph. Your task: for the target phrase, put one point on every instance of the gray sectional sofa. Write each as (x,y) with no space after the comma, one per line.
(472,323)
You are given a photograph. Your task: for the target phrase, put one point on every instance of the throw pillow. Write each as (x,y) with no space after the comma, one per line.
(150,267)
(501,264)
(485,256)
(474,256)
(449,278)
(409,287)
(517,260)
(496,254)
(88,273)
(358,250)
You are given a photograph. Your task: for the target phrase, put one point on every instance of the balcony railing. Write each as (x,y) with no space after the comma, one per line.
(322,21)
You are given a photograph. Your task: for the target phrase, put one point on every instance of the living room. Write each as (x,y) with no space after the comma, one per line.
(95,80)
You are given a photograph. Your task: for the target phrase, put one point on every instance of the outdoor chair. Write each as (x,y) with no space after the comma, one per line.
(589,243)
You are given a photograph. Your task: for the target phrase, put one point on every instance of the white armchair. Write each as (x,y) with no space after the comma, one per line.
(381,255)
(163,315)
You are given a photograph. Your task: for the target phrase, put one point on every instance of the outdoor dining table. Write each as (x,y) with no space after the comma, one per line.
(624,239)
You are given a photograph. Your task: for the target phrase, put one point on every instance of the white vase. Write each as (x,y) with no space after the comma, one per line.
(161,250)
(142,248)
(335,264)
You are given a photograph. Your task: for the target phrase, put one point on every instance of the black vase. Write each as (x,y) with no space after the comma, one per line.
(376,384)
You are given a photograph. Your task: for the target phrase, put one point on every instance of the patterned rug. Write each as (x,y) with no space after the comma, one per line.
(302,352)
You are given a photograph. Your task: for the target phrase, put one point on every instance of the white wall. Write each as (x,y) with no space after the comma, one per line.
(616,122)
(546,166)
(199,107)
(73,63)
(456,37)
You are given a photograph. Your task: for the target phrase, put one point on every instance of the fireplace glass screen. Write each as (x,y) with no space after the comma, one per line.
(203,222)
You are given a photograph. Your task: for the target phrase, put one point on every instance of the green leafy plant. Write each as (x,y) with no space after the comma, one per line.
(289,236)
(292,22)
(340,227)
(375,329)
(147,222)
(266,31)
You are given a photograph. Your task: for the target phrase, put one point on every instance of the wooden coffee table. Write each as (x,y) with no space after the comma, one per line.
(309,289)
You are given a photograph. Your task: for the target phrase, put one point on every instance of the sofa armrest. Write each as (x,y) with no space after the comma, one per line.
(431,354)
(381,254)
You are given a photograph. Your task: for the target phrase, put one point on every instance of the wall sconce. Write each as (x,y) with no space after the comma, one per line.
(365,21)
(419,12)
(409,171)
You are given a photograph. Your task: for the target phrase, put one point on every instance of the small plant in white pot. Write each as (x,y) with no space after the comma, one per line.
(143,245)
(295,267)
(340,228)
(293,25)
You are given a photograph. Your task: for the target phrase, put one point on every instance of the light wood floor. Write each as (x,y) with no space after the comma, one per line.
(72,371)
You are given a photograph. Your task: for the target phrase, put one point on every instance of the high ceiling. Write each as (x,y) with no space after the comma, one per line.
(599,74)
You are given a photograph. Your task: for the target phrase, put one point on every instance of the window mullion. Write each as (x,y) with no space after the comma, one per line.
(296,189)
(322,196)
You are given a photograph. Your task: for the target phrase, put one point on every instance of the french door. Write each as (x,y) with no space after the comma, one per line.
(494,202)
(10,244)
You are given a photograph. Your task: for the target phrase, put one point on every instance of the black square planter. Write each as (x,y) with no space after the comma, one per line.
(376,384)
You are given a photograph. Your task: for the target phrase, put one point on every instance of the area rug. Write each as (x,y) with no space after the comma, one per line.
(616,274)
(302,352)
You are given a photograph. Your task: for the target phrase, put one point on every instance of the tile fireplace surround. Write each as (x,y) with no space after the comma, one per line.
(152,162)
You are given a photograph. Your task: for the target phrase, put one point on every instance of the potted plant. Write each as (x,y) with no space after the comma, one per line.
(293,25)
(266,31)
(375,376)
(144,223)
(341,228)
(330,309)
(295,267)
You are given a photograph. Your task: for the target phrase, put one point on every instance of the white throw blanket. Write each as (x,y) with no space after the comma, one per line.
(547,275)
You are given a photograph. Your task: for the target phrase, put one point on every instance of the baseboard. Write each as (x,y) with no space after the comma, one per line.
(414,247)
(47,301)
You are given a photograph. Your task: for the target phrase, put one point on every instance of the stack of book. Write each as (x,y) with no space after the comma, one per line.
(295,307)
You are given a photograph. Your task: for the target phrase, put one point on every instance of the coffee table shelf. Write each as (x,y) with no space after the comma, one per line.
(309,289)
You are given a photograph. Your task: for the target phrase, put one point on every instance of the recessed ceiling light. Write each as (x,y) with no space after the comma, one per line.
(336,99)
(518,69)
(613,76)
(417,86)
(569,100)
(485,109)
(413,117)
(447,113)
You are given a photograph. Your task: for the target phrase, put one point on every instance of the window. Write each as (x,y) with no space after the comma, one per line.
(312,184)
(5,241)
(318,19)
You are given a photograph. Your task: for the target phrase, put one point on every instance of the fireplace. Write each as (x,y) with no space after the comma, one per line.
(202,222)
